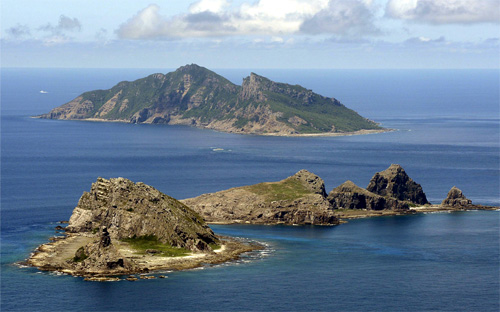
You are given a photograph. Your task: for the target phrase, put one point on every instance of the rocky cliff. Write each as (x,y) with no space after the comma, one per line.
(129,209)
(394,182)
(350,196)
(195,96)
(299,199)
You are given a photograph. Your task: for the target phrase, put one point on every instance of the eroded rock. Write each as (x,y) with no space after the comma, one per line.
(456,199)
(394,182)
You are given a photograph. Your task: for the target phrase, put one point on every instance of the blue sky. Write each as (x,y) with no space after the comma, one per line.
(251,33)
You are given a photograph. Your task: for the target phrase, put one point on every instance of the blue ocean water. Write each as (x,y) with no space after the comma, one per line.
(448,134)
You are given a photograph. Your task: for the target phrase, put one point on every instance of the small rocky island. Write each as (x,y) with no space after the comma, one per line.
(195,96)
(121,227)
(302,199)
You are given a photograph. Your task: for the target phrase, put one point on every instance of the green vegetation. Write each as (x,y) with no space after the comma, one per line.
(289,189)
(196,92)
(80,255)
(150,242)
(214,246)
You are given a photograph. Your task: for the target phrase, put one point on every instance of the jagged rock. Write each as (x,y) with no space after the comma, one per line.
(311,181)
(394,182)
(456,199)
(299,199)
(126,209)
(350,196)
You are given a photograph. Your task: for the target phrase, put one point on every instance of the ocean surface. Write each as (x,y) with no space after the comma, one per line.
(447,134)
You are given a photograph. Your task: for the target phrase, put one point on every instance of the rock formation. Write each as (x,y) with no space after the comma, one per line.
(394,182)
(130,209)
(456,199)
(350,196)
(195,96)
(113,227)
(299,199)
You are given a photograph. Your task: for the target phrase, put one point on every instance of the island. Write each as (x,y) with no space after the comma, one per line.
(301,199)
(195,96)
(122,228)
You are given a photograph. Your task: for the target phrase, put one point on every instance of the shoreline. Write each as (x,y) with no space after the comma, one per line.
(56,256)
(348,214)
(322,134)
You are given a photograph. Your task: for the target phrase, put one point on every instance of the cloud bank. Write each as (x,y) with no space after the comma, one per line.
(445,11)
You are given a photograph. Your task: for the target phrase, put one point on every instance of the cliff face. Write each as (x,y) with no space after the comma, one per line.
(350,196)
(128,210)
(394,182)
(299,199)
(195,96)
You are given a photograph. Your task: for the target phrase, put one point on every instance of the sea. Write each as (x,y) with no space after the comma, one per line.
(446,134)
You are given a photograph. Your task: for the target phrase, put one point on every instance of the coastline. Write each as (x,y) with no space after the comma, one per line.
(322,134)
(347,214)
(57,254)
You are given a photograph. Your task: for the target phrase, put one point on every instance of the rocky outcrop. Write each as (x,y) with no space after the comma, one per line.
(350,196)
(130,209)
(456,199)
(101,257)
(299,199)
(394,182)
(195,96)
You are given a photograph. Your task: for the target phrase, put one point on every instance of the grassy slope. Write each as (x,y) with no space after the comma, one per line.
(289,189)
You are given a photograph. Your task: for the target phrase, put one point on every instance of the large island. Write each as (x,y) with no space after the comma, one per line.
(195,96)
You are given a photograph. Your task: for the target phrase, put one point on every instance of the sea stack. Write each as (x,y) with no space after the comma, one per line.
(456,199)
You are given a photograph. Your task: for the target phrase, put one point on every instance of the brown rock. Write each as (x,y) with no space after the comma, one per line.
(394,182)
(123,209)
(456,199)
(299,199)
(350,196)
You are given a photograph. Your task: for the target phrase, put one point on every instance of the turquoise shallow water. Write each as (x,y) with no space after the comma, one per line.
(447,136)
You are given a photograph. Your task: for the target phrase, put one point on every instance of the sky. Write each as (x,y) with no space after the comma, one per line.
(393,34)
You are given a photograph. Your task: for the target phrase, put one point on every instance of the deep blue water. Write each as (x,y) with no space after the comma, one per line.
(448,124)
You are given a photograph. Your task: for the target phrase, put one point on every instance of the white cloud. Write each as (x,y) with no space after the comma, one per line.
(214,6)
(217,18)
(445,11)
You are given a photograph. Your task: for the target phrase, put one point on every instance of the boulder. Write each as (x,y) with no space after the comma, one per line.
(394,182)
